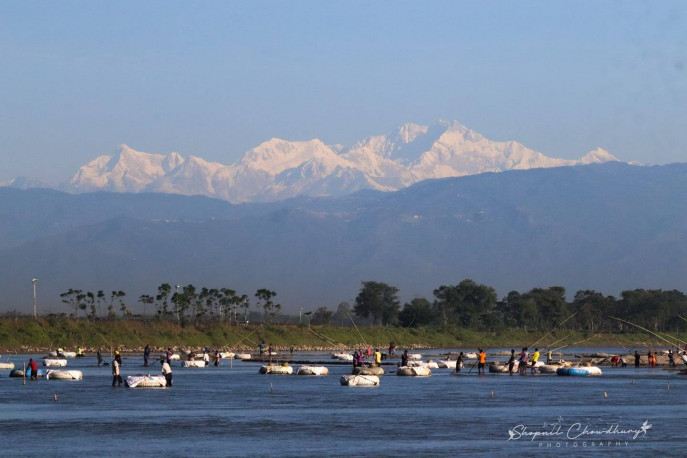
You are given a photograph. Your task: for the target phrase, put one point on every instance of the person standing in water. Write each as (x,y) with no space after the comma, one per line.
(33,367)
(404,358)
(511,362)
(146,355)
(522,362)
(100,357)
(481,358)
(637,357)
(116,377)
(535,359)
(459,362)
(166,371)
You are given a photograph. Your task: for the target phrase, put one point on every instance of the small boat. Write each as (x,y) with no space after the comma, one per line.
(69,354)
(9,365)
(496,368)
(446,364)
(243,356)
(196,363)
(146,381)
(549,368)
(276,369)
(414,371)
(20,373)
(579,371)
(312,370)
(342,356)
(359,380)
(63,375)
(594,370)
(54,362)
(368,370)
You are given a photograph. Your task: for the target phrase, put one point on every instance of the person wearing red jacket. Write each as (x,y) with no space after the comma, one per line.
(34,369)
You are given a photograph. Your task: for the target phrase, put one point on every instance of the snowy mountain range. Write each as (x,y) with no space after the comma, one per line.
(279,169)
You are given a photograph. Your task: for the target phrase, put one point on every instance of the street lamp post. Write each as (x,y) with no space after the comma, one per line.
(34,281)
(300,316)
(176,303)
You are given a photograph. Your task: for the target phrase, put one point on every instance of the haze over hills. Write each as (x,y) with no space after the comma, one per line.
(607,227)
(279,169)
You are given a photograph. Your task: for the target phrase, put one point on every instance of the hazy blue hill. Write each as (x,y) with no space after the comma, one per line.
(608,227)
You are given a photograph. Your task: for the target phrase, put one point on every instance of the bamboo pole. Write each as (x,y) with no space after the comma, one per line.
(560,324)
(672,344)
(356,328)
(574,343)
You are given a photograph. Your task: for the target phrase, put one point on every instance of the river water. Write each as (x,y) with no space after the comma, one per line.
(232,410)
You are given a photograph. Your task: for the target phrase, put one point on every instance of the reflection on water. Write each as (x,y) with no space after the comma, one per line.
(235,411)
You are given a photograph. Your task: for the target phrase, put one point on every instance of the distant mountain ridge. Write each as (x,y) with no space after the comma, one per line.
(606,227)
(279,169)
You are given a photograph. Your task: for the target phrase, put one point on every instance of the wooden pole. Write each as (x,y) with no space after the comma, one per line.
(672,344)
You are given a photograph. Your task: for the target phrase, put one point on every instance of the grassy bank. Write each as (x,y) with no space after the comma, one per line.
(28,335)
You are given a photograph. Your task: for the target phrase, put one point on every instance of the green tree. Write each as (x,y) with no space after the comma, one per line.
(591,308)
(145,299)
(120,301)
(74,298)
(162,298)
(91,301)
(342,315)
(416,313)
(551,305)
(116,296)
(466,304)
(379,301)
(244,303)
(100,300)
(322,316)
(446,299)
(228,301)
(519,310)
(265,299)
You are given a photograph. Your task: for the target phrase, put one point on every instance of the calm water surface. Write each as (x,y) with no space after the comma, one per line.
(234,411)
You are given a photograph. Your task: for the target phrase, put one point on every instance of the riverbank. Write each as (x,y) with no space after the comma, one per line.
(27,335)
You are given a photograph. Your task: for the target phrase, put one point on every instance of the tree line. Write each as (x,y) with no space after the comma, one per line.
(475,306)
(467,305)
(186,304)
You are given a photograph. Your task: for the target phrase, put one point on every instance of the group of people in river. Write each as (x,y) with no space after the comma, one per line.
(359,357)
(524,360)
(117,380)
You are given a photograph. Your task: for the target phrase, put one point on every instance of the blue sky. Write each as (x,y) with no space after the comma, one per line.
(213,79)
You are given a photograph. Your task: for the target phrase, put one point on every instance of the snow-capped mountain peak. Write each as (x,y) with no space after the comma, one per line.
(409,132)
(127,170)
(279,169)
(276,155)
(597,155)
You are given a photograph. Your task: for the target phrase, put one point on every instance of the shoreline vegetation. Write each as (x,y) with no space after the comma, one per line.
(29,335)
